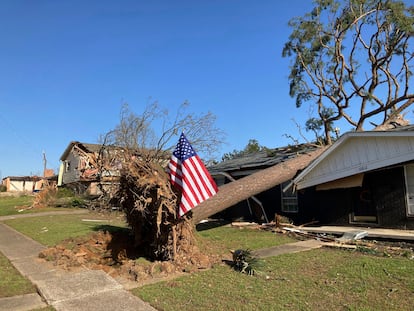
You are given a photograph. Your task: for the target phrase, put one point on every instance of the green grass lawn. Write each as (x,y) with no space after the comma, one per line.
(18,205)
(322,279)
(51,229)
(11,281)
(230,238)
(12,205)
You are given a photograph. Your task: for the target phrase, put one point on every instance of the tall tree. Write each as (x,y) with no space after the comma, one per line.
(354,59)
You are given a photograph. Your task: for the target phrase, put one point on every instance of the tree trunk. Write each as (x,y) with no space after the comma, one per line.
(240,190)
(328,138)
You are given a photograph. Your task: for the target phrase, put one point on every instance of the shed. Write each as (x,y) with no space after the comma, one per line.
(22,183)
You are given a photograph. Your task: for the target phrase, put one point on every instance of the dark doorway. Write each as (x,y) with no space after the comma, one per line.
(364,208)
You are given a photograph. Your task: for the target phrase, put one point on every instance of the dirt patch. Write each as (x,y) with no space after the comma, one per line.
(115,253)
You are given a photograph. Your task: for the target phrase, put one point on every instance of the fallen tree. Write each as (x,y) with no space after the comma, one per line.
(242,189)
(150,203)
(147,198)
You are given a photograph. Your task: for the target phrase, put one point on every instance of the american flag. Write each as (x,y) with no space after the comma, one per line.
(190,176)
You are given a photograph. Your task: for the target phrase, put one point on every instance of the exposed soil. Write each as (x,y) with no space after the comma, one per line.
(114,253)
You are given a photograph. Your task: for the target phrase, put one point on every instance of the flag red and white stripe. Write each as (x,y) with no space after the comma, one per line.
(189,174)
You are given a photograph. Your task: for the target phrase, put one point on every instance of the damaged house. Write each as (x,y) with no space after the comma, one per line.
(364,178)
(93,169)
(85,168)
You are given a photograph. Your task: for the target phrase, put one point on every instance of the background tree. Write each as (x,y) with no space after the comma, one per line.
(354,59)
(316,124)
(155,131)
(251,147)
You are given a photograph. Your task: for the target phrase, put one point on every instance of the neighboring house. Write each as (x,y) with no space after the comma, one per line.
(22,183)
(265,205)
(364,178)
(80,169)
(91,168)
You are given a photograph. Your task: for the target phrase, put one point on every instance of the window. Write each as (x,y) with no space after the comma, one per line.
(289,199)
(67,166)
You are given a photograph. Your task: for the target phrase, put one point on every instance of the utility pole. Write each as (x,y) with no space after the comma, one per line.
(44,163)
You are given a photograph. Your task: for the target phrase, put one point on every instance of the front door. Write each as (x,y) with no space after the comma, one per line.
(364,206)
(409,183)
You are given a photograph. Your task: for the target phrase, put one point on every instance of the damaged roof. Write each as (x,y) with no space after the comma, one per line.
(260,159)
(23,178)
(92,148)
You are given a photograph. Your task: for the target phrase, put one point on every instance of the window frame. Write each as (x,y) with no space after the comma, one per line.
(288,196)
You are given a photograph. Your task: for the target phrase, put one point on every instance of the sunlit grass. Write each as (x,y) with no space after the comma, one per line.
(322,279)
(229,237)
(52,229)
(20,205)
(11,281)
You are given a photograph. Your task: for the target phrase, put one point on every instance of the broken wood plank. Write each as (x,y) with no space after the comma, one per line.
(340,245)
(244,224)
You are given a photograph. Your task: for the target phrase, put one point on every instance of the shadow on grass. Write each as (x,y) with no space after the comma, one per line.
(211,224)
(121,244)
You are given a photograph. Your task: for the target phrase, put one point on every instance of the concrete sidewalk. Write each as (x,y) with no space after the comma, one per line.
(30,215)
(84,290)
(294,247)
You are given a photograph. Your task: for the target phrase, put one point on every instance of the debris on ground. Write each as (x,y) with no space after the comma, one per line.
(46,197)
(244,261)
(355,240)
(115,253)
(353,235)
(244,224)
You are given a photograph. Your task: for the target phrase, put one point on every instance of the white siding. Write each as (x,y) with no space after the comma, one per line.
(358,154)
(19,185)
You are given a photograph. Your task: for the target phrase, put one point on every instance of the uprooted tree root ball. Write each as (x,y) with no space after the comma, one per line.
(156,233)
(150,207)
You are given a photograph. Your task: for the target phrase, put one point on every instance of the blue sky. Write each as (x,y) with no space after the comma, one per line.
(67,66)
